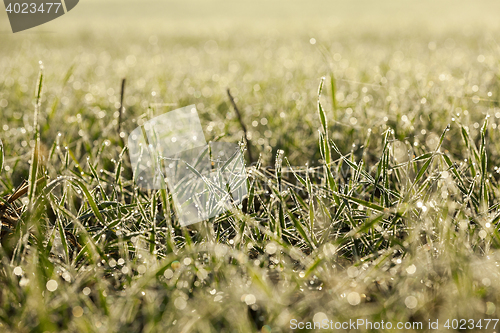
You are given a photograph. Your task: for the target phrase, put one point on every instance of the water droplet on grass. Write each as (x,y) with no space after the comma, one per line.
(353,298)
(51,285)
(411,302)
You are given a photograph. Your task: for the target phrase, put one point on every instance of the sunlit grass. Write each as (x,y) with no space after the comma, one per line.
(379,202)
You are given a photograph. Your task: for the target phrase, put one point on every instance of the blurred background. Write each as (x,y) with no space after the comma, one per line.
(200,16)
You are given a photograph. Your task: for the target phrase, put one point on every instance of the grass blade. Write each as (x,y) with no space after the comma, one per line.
(2,156)
(34,157)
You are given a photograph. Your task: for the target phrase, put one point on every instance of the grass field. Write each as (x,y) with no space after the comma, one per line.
(375,194)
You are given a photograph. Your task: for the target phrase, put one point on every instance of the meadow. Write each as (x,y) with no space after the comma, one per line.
(373,191)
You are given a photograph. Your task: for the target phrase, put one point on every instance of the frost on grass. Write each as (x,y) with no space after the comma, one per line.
(381,215)
(205,180)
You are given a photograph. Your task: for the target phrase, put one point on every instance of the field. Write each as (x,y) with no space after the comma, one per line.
(374,130)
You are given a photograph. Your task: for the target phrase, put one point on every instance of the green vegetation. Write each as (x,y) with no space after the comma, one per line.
(375,196)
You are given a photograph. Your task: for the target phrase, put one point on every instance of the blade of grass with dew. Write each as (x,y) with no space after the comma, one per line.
(152,237)
(33,174)
(2,156)
(90,199)
(281,214)
(484,188)
(64,241)
(333,92)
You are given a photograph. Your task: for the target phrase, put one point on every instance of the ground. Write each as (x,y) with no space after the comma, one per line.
(373,193)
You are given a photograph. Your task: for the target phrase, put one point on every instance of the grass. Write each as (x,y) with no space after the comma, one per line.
(374,196)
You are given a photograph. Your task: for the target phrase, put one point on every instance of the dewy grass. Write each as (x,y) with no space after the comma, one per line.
(364,203)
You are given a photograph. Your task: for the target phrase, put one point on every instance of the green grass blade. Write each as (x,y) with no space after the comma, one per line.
(2,156)
(90,199)
(333,92)
(33,174)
